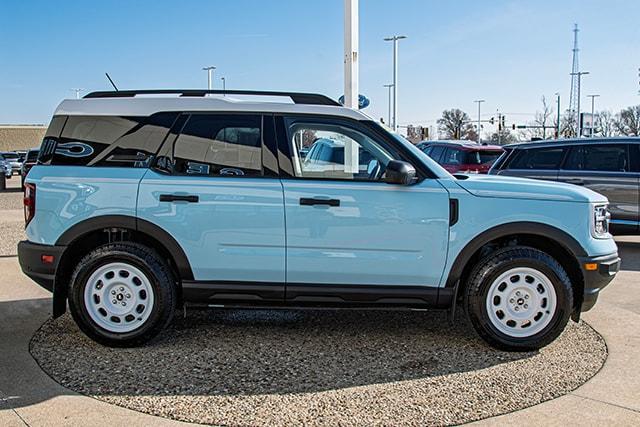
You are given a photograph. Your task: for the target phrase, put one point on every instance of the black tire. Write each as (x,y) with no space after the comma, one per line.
(159,276)
(489,269)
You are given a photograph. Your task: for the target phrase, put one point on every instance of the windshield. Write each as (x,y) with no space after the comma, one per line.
(481,157)
(438,170)
(11,156)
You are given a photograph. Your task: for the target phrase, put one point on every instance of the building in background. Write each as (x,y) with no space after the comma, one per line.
(21,137)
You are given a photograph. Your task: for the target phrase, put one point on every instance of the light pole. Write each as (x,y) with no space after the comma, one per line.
(593,119)
(209,71)
(558,123)
(77,91)
(579,74)
(395,39)
(224,83)
(351,49)
(389,86)
(479,101)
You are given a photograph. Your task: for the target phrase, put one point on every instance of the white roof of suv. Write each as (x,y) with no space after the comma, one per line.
(144,103)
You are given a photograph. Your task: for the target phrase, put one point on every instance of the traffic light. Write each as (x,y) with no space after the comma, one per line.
(513,126)
(492,121)
(425,133)
(502,120)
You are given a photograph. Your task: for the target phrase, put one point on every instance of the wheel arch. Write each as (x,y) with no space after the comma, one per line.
(90,233)
(552,240)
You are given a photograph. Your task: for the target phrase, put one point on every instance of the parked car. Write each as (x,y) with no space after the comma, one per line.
(609,166)
(5,168)
(13,159)
(462,156)
(30,159)
(204,200)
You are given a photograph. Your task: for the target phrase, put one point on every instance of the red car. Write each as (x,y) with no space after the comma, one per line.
(462,156)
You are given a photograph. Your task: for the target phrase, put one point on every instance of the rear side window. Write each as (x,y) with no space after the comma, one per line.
(107,140)
(603,158)
(219,145)
(538,158)
(481,157)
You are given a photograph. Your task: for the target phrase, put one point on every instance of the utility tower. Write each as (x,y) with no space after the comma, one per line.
(574,97)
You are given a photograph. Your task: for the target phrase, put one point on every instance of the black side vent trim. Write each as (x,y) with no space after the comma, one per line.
(454,211)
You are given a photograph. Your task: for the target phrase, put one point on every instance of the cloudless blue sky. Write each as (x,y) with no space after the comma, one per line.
(509,53)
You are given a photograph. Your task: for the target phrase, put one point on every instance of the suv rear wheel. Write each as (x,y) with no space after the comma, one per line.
(122,294)
(519,299)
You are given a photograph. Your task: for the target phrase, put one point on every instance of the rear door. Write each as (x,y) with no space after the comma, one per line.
(607,169)
(538,163)
(215,189)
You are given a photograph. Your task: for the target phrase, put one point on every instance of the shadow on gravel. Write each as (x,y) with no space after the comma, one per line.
(630,254)
(248,352)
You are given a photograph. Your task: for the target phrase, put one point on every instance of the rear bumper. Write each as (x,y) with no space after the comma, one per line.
(30,256)
(595,280)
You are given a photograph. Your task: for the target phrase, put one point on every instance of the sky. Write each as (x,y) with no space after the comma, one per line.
(509,53)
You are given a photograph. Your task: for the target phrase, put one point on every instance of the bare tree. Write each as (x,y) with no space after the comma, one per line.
(455,124)
(628,121)
(503,137)
(543,118)
(567,125)
(605,124)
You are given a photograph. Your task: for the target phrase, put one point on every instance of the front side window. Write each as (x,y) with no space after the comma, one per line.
(336,152)
(219,145)
(452,157)
(538,158)
(603,158)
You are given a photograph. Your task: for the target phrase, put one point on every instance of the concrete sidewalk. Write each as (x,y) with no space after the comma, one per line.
(28,396)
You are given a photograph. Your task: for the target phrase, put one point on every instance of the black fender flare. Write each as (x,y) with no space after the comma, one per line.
(77,231)
(564,239)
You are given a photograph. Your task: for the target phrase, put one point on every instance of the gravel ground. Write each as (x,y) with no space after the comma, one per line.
(243,367)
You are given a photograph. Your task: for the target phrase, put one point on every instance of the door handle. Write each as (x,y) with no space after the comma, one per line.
(311,201)
(575,181)
(179,198)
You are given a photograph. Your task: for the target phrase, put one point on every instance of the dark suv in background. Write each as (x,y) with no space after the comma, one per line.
(462,156)
(609,166)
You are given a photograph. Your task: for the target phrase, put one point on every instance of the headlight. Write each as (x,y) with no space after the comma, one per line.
(600,224)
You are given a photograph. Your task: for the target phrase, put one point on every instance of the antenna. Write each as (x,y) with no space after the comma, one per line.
(111,81)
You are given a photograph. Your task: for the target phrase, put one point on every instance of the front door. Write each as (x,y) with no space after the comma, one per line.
(351,237)
(213,193)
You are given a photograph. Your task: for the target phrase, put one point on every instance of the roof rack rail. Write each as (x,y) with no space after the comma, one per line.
(296,97)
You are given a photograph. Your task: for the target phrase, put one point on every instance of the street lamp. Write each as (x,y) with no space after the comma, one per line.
(395,39)
(558,112)
(593,97)
(224,83)
(389,86)
(479,101)
(579,74)
(209,71)
(77,91)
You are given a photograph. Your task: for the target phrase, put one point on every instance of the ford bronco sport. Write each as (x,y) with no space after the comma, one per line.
(146,201)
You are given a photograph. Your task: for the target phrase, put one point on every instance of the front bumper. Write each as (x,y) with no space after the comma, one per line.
(32,258)
(607,266)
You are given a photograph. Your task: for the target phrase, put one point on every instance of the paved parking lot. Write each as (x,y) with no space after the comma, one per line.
(28,396)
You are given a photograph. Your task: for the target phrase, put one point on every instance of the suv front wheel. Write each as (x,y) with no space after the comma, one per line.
(519,299)
(122,294)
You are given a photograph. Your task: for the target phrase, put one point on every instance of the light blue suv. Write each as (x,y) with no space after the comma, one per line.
(146,201)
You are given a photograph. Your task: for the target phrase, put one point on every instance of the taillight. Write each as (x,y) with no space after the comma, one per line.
(29,202)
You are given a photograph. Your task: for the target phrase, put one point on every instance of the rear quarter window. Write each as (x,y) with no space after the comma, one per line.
(106,140)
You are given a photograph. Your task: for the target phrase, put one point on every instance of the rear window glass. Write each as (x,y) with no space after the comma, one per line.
(538,158)
(481,157)
(436,152)
(453,156)
(604,158)
(32,156)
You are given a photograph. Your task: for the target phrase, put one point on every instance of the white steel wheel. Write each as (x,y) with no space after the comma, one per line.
(521,302)
(118,297)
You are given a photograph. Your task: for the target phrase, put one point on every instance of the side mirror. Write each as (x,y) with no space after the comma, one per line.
(399,172)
